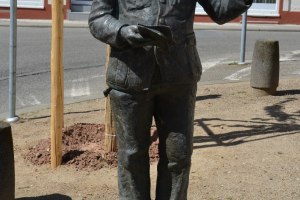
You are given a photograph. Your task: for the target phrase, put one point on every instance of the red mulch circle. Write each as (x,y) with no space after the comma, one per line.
(82,147)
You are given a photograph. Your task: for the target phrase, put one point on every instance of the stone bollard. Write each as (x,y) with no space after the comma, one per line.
(265,67)
(7,169)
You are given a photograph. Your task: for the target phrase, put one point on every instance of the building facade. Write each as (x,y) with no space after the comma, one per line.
(31,9)
(265,11)
(262,11)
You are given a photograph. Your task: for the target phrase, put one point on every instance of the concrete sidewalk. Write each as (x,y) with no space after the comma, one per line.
(197,26)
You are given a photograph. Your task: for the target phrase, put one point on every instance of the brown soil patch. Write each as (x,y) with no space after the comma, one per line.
(82,147)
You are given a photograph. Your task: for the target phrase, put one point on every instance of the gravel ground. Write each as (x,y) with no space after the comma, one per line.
(245,147)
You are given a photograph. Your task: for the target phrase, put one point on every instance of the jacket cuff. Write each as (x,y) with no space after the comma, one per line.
(248,2)
(122,43)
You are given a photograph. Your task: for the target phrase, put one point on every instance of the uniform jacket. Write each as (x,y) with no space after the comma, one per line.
(132,69)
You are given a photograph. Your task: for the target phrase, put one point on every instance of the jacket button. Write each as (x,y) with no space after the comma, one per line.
(162,21)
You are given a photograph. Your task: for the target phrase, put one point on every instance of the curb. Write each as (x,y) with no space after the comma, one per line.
(44,23)
(197,26)
(250,27)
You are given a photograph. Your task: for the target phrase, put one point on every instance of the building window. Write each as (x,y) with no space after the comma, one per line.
(291,5)
(258,8)
(24,3)
(264,8)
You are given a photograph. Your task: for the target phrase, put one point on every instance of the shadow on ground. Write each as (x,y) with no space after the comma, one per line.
(47,197)
(275,123)
(207,97)
(287,92)
(66,113)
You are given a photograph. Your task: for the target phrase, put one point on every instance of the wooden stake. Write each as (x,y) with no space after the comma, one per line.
(57,79)
(110,133)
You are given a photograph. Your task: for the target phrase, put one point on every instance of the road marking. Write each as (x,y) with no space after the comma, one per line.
(86,79)
(297,72)
(81,86)
(239,74)
(297,52)
(34,100)
(290,56)
(210,64)
(79,89)
(20,101)
(31,100)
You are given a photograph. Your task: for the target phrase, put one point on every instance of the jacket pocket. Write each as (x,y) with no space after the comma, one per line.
(137,4)
(193,56)
(195,62)
(116,72)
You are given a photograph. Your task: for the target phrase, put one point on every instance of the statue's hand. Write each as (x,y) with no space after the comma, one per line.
(173,2)
(133,37)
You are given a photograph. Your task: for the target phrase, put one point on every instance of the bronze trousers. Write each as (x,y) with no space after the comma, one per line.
(172,107)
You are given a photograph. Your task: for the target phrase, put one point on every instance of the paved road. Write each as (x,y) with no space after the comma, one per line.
(85,58)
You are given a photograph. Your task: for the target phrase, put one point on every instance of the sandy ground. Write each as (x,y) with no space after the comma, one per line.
(245,147)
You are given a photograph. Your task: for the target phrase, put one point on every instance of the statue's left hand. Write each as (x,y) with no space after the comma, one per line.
(133,37)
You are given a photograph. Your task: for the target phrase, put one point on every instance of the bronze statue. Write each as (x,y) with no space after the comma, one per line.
(153,72)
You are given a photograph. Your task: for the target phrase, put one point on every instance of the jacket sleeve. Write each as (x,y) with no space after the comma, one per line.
(103,23)
(222,11)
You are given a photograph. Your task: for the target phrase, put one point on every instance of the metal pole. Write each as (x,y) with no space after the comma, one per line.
(12,62)
(243,39)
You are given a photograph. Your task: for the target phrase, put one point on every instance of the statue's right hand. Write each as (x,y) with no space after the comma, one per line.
(133,37)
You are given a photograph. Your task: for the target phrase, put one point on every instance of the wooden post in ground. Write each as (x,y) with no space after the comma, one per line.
(57,85)
(110,135)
